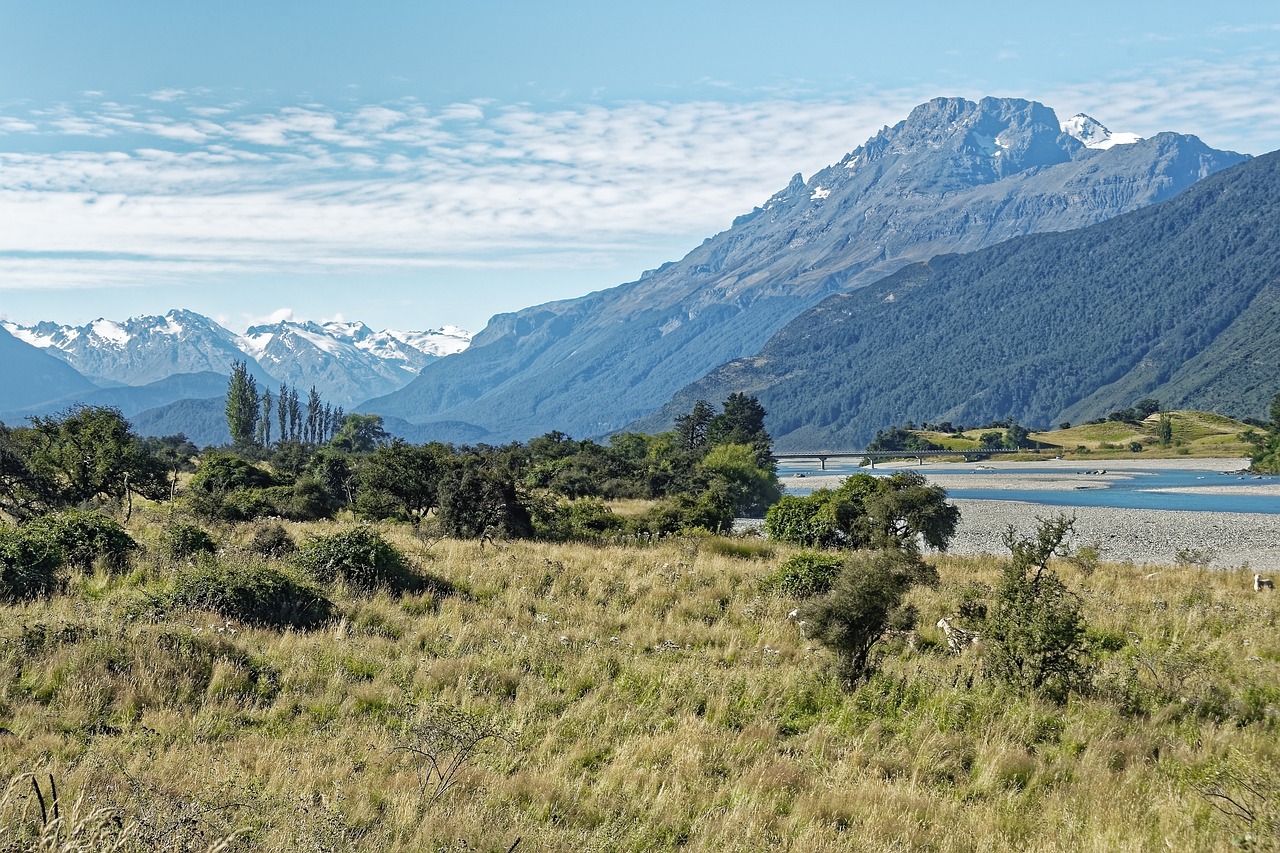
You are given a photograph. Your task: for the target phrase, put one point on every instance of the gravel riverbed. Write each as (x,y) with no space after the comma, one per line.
(1141,536)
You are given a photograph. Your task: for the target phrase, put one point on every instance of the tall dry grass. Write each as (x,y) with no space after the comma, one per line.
(646,698)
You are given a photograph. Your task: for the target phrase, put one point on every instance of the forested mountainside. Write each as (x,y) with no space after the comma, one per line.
(954,176)
(1179,301)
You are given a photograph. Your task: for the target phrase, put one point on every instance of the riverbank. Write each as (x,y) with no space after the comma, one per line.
(1155,537)
(1141,536)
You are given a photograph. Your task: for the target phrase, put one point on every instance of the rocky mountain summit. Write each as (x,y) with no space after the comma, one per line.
(1177,302)
(954,176)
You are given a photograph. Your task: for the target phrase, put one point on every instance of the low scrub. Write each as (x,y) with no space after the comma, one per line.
(806,574)
(29,564)
(254,593)
(182,541)
(365,562)
(85,538)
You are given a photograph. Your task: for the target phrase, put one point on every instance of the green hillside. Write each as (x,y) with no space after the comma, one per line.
(1178,302)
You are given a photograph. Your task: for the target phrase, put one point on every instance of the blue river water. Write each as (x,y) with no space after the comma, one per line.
(1134,489)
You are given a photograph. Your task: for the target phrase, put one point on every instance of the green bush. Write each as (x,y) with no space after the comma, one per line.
(84,537)
(710,512)
(182,541)
(272,540)
(1035,637)
(253,593)
(29,564)
(864,603)
(806,574)
(583,520)
(361,558)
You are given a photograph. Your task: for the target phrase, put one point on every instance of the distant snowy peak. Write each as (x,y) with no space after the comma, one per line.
(346,361)
(1094,134)
(446,340)
(412,349)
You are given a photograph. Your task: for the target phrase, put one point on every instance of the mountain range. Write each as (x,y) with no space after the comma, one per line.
(153,361)
(944,251)
(953,176)
(1179,302)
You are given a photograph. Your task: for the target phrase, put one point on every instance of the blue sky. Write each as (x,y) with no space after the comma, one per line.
(414,164)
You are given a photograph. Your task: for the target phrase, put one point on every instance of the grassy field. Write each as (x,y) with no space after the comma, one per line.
(631,698)
(1195,434)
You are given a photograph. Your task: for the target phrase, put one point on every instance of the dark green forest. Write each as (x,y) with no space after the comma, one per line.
(1179,301)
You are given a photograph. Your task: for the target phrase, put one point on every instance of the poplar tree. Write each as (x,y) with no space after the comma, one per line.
(242,405)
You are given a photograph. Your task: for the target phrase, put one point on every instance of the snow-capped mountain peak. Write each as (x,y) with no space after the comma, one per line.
(1094,134)
(347,362)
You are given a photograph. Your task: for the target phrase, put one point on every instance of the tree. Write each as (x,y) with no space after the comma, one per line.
(898,512)
(295,416)
(865,601)
(242,405)
(282,412)
(1016,436)
(401,480)
(264,420)
(479,498)
(314,409)
(741,421)
(751,488)
(360,434)
(904,510)
(83,454)
(1035,636)
(1166,429)
(692,427)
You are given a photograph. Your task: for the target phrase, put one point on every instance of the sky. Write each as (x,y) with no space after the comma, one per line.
(414,164)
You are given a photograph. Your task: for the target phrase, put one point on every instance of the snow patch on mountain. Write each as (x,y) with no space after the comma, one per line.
(111,332)
(346,361)
(1094,134)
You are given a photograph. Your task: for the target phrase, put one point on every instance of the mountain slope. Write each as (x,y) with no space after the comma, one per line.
(30,376)
(346,362)
(1179,301)
(954,176)
(131,399)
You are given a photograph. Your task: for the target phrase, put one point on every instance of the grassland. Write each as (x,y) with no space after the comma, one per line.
(1195,434)
(631,698)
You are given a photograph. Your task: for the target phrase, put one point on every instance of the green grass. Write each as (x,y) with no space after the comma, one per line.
(638,698)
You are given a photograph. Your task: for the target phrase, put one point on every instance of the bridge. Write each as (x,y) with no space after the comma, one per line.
(872,455)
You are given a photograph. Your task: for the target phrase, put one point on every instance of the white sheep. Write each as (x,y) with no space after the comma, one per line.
(1260,583)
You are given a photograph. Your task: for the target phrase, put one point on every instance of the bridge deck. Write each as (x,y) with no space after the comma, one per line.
(823,455)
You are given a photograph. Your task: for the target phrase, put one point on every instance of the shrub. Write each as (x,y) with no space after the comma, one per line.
(807,574)
(359,557)
(586,519)
(272,540)
(83,537)
(29,564)
(1036,634)
(252,593)
(865,601)
(182,541)
(711,511)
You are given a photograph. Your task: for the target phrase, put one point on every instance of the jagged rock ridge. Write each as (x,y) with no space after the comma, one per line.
(1179,302)
(954,176)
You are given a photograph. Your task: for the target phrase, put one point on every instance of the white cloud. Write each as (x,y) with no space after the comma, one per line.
(189,190)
